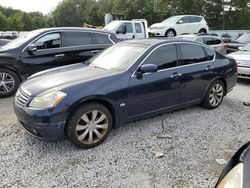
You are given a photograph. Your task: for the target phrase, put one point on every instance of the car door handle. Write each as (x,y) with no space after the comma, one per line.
(59,55)
(95,51)
(208,68)
(174,75)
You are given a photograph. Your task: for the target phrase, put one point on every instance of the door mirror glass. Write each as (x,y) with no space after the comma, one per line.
(148,68)
(122,29)
(32,48)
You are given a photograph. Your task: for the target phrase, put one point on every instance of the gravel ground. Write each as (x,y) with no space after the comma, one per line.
(191,139)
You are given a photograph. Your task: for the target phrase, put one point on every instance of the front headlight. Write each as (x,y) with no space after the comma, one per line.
(159,28)
(234,179)
(48,100)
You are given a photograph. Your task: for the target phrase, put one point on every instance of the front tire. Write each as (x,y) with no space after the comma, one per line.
(215,95)
(9,82)
(170,33)
(89,125)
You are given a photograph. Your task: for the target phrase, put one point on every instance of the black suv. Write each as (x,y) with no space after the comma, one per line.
(48,48)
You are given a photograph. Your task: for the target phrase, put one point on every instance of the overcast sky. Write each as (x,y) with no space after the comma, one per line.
(44,6)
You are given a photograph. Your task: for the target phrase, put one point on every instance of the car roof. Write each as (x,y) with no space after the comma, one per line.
(151,42)
(71,28)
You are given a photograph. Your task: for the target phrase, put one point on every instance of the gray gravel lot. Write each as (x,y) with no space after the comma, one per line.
(191,140)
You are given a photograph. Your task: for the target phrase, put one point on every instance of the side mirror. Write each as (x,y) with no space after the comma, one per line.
(31,48)
(148,68)
(180,22)
(122,29)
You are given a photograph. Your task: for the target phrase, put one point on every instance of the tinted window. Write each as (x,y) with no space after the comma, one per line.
(48,41)
(193,19)
(185,19)
(199,18)
(101,39)
(211,41)
(129,27)
(164,57)
(192,54)
(138,28)
(78,38)
(210,54)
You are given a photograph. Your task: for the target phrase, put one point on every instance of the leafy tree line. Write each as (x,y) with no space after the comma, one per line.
(220,14)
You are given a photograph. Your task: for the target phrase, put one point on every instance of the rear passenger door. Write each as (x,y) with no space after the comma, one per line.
(197,71)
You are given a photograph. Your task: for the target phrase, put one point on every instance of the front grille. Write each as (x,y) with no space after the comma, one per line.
(244,75)
(21,98)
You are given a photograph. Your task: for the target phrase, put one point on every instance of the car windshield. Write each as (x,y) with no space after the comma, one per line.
(19,41)
(245,38)
(246,47)
(111,26)
(118,57)
(172,19)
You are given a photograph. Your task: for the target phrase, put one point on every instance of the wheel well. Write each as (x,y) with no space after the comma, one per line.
(170,30)
(203,29)
(103,102)
(225,83)
(10,69)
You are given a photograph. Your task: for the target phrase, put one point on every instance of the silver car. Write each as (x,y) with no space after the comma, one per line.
(210,40)
(242,58)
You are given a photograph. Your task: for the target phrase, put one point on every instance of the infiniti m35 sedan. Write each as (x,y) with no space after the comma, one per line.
(130,80)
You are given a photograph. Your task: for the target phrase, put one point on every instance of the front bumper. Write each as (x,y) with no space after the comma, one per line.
(157,33)
(244,72)
(41,124)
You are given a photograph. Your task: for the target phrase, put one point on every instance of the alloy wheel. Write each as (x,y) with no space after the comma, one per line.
(216,94)
(170,34)
(92,127)
(7,82)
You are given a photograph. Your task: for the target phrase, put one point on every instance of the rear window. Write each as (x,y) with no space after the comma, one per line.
(101,39)
(212,41)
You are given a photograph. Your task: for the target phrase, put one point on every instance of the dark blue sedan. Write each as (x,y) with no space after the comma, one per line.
(130,80)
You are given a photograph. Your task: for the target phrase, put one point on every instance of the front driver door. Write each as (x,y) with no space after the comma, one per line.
(159,90)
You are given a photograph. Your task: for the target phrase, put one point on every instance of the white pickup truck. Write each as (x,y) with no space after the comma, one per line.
(125,30)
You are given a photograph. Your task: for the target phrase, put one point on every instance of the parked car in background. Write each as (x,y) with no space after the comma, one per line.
(242,58)
(48,48)
(236,174)
(177,25)
(125,29)
(4,41)
(234,46)
(226,38)
(210,40)
(130,80)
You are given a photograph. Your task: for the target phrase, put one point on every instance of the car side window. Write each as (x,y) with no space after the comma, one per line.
(48,41)
(192,54)
(101,39)
(164,57)
(210,54)
(211,41)
(185,19)
(193,19)
(138,28)
(129,27)
(78,38)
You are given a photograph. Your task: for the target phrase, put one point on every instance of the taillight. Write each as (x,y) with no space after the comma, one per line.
(226,46)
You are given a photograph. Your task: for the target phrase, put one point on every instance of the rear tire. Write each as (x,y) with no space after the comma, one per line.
(9,82)
(89,125)
(215,95)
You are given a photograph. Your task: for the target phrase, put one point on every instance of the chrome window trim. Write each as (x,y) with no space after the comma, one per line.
(59,31)
(204,46)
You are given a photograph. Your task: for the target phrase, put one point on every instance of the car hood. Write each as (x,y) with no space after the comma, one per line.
(59,78)
(159,25)
(240,55)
